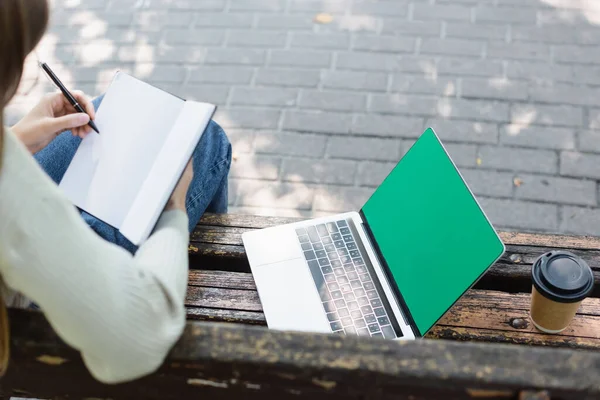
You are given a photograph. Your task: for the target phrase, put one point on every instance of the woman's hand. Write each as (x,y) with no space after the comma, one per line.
(177,200)
(52,116)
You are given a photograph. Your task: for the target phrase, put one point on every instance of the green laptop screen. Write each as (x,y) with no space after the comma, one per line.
(429,228)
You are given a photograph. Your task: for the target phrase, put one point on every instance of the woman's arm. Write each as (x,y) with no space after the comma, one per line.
(123,313)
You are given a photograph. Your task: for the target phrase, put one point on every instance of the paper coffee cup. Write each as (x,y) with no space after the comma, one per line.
(561,281)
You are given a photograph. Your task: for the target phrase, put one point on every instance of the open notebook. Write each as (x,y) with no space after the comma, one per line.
(125,175)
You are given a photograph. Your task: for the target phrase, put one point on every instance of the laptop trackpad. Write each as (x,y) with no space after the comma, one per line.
(289,297)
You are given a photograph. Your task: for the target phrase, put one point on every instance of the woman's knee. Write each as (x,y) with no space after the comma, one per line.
(216,141)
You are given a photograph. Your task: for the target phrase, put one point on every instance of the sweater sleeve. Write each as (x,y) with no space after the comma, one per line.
(122,312)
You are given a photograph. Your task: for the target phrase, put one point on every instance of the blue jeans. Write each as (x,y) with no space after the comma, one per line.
(207,192)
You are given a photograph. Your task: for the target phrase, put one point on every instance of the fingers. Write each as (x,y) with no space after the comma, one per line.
(71,121)
(85,102)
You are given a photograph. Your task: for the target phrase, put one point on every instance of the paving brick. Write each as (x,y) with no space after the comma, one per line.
(508,15)
(472,31)
(587,74)
(280,97)
(525,114)
(231,75)
(580,165)
(320,41)
(209,5)
(478,110)
(336,101)
(404,104)
(594,118)
(220,56)
(459,47)
(320,6)
(367,61)
(255,39)
(387,125)
(194,37)
(494,88)
(285,22)
(546,34)
(557,190)
(215,94)
(364,148)
(288,77)
(580,220)
(163,55)
(469,67)
(464,131)
(257,5)
(340,199)
(291,144)
(162,73)
(463,155)
(247,118)
(255,167)
(372,81)
(538,136)
(396,8)
(565,94)
(539,72)
(521,215)
(223,20)
(576,55)
(519,51)
(589,141)
(339,172)
(372,174)
(156,20)
(424,85)
(488,183)
(384,44)
(402,27)
(301,58)
(317,122)
(357,24)
(516,159)
(280,195)
(242,140)
(441,12)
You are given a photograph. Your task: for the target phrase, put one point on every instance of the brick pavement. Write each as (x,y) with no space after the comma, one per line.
(318,113)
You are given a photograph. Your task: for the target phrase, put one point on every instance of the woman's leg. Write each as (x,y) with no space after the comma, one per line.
(208,190)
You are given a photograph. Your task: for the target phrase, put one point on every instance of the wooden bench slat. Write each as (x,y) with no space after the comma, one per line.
(224,279)
(510,238)
(246,361)
(489,313)
(230,299)
(520,338)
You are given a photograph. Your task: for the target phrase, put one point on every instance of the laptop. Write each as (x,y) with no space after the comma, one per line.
(391,270)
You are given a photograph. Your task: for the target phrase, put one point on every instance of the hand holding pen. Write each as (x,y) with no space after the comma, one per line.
(68,95)
(54,114)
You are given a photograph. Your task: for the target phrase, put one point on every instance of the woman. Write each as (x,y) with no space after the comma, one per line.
(120,306)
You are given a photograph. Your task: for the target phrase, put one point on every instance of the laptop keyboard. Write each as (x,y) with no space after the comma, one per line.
(346,286)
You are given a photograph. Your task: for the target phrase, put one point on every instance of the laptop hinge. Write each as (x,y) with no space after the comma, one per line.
(386,269)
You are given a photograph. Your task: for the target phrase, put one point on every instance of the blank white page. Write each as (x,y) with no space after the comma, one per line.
(166,171)
(109,169)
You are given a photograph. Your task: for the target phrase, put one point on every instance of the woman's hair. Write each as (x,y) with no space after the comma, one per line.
(22,24)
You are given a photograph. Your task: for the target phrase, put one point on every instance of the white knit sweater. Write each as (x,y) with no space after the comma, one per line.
(122,312)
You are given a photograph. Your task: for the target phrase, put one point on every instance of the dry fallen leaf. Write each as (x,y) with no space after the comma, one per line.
(517,182)
(323,18)
(478,161)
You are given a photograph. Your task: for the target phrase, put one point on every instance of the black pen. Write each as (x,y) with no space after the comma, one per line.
(66,93)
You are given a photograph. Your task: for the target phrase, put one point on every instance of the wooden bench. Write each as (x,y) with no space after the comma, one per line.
(226,351)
